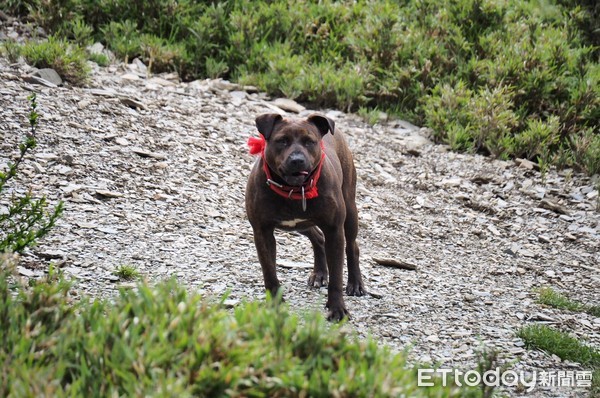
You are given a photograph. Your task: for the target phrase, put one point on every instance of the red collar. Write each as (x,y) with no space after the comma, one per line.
(308,190)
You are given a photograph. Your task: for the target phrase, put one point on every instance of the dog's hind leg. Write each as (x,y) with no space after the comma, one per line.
(319,275)
(355,285)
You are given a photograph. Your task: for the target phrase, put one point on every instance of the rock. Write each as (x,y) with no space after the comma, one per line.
(122,141)
(65,170)
(104,92)
(132,103)
(49,75)
(46,156)
(138,66)
(25,272)
(543,239)
(83,104)
(51,254)
(416,141)
(288,105)
(38,80)
(148,154)
(237,97)
(554,206)
(509,186)
(250,89)
(527,164)
(231,303)
(550,274)
(527,253)
(70,188)
(38,167)
(395,263)
(433,338)
(107,230)
(294,264)
(161,82)
(108,194)
(96,48)
(130,76)
(451,182)
(223,85)
(493,230)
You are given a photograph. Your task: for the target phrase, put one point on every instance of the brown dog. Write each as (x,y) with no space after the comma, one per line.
(305,180)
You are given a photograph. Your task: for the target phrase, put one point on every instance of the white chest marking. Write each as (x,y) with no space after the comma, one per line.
(291,223)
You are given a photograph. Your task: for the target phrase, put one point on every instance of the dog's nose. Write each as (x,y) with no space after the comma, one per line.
(297,161)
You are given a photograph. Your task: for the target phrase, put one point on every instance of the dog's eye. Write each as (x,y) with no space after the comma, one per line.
(282,142)
(309,143)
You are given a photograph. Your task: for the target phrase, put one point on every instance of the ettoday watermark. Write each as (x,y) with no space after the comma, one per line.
(506,378)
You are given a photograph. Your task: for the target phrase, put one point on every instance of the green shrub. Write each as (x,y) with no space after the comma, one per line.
(78,31)
(26,219)
(528,70)
(100,59)
(127,272)
(552,298)
(565,347)
(122,39)
(69,61)
(163,341)
(11,50)
(159,54)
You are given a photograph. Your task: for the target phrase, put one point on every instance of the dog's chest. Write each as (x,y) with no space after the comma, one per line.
(294,223)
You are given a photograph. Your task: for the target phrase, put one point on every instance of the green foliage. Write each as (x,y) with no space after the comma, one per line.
(159,54)
(121,37)
(552,298)
(69,61)
(100,59)
(127,272)
(26,219)
(371,116)
(163,341)
(526,73)
(78,31)
(560,344)
(564,346)
(11,50)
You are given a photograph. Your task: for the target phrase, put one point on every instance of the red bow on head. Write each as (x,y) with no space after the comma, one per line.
(257,145)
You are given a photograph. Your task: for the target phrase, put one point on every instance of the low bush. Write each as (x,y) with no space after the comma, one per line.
(566,347)
(163,341)
(526,73)
(552,298)
(69,61)
(25,219)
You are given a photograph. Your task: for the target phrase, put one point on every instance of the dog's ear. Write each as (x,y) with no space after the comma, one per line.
(266,122)
(323,123)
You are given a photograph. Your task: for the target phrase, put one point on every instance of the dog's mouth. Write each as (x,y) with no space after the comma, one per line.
(296,178)
(300,173)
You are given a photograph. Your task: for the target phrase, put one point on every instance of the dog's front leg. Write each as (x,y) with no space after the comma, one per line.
(264,240)
(334,250)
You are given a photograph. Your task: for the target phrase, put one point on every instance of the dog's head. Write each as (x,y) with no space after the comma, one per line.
(293,148)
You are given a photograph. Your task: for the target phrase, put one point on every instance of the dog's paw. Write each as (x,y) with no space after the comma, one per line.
(317,279)
(336,314)
(355,289)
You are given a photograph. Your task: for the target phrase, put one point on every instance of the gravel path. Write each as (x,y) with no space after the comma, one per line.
(152,172)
